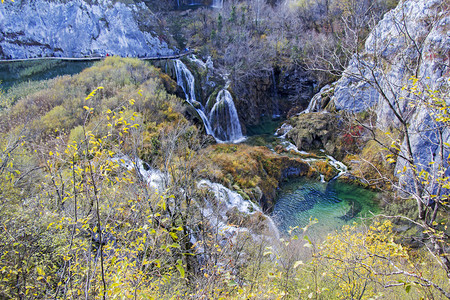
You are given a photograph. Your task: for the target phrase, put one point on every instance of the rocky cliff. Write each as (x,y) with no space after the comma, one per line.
(411,40)
(77,28)
(265,95)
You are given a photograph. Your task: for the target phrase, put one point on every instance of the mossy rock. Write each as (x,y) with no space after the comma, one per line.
(253,171)
(312,131)
(324,168)
(256,221)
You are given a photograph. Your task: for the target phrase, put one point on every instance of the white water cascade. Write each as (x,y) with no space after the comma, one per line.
(226,201)
(153,177)
(315,105)
(288,146)
(217,4)
(222,121)
(338,165)
(215,212)
(186,81)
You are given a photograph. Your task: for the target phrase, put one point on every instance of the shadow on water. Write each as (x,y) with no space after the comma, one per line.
(333,204)
(16,72)
(267,126)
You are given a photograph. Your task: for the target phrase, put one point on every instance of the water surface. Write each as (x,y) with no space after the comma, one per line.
(34,70)
(333,204)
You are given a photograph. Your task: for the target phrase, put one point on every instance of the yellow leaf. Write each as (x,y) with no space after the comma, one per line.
(40,271)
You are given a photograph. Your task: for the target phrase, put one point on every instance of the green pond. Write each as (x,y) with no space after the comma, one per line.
(34,70)
(333,204)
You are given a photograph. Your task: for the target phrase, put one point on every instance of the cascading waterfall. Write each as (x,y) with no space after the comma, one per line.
(312,106)
(222,121)
(186,81)
(217,4)
(226,201)
(316,102)
(153,177)
(275,105)
(338,165)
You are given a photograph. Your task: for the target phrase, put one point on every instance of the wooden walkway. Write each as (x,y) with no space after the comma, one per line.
(158,57)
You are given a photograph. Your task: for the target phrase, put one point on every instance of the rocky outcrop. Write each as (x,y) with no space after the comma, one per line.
(297,87)
(254,96)
(314,131)
(411,40)
(269,94)
(77,28)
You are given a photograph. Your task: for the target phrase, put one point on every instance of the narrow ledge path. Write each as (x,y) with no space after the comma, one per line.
(158,57)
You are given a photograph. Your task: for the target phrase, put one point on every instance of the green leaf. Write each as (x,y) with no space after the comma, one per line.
(180,268)
(306,238)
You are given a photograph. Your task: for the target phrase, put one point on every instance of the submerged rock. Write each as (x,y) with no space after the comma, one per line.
(354,210)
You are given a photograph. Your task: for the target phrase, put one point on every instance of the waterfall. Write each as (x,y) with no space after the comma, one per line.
(288,146)
(275,105)
(217,4)
(186,81)
(315,105)
(153,177)
(338,165)
(226,201)
(222,121)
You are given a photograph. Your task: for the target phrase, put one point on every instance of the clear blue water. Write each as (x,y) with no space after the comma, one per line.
(333,204)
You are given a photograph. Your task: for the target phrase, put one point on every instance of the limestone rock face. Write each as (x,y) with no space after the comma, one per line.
(254,96)
(76,29)
(411,40)
(296,86)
